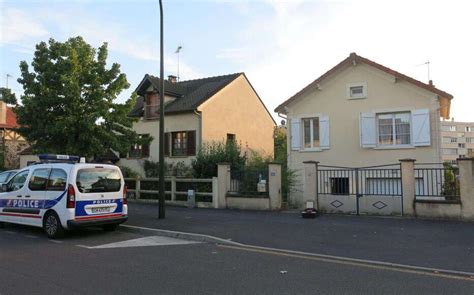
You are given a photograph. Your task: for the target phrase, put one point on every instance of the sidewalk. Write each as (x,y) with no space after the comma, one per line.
(437,244)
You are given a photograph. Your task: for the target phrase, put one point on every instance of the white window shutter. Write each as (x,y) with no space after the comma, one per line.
(324,132)
(368,133)
(421,127)
(295,134)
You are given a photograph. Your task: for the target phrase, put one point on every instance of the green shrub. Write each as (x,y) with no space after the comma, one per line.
(180,169)
(207,158)
(129,172)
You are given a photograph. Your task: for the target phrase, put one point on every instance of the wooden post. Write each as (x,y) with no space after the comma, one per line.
(173,188)
(137,188)
(215,192)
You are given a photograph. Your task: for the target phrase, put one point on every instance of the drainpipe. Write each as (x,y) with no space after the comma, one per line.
(198,114)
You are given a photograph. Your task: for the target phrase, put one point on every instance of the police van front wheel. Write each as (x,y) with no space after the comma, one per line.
(2,224)
(52,225)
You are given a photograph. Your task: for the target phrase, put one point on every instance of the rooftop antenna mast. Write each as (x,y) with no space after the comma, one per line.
(8,76)
(177,51)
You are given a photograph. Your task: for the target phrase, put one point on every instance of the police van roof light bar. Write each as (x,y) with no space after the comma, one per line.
(48,158)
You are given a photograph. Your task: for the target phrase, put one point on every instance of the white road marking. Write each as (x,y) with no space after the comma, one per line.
(56,241)
(143,242)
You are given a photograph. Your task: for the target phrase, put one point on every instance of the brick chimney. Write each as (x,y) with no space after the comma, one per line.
(431,83)
(172,78)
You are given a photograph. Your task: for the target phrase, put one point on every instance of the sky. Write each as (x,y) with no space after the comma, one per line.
(281,45)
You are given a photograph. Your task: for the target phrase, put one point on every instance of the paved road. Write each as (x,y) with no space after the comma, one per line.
(438,244)
(96,262)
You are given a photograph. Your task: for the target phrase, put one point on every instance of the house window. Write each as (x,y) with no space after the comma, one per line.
(230,138)
(311,133)
(446,139)
(357,90)
(394,129)
(152,106)
(461,145)
(449,151)
(452,128)
(469,139)
(469,129)
(454,139)
(340,185)
(140,150)
(179,143)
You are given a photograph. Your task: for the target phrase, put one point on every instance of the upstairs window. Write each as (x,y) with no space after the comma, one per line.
(454,140)
(356,90)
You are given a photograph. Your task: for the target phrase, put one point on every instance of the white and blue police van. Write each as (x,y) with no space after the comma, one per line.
(63,192)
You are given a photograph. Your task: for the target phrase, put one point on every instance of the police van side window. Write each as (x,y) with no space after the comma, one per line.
(38,179)
(57,180)
(18,181)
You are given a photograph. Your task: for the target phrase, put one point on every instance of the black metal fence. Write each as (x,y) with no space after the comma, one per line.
(437,180)
(382,180)
(249,182)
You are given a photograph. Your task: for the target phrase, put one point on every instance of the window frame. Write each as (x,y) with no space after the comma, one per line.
(394,130)
(184,143)
(350,86)
(137,150)
(311,131)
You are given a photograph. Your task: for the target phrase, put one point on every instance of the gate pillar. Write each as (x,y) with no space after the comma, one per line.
(408,186)
(311,182)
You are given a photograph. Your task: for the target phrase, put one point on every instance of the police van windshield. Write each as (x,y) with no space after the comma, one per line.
(91,180)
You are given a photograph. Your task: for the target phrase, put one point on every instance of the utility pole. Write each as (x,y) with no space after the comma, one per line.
(161,184)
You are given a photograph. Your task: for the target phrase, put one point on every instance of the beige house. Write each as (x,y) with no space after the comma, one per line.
(457,140)
(361,113)
(214,109)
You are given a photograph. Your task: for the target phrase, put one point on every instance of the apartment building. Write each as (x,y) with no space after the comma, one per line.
(457,140)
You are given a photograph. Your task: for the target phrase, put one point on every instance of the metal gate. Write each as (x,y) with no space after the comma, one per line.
(363,190)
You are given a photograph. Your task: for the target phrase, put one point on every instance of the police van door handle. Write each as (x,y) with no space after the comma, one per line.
(27,196)
(18,196)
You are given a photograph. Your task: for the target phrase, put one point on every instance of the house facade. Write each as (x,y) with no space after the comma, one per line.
(457,140)
(214,109)
(360,114)
(11,143)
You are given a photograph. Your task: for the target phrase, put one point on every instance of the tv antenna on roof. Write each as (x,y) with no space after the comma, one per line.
(177,51)
(427,64)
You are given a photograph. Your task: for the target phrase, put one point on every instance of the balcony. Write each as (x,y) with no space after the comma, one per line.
(152,111)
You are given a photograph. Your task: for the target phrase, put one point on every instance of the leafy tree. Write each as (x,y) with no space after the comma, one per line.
(7,96)
(68,102)
(279,136)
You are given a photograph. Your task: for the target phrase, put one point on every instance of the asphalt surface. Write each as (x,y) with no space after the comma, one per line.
(32,264)
(426,243)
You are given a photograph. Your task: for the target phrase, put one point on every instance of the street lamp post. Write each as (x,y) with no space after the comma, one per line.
(161,210)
